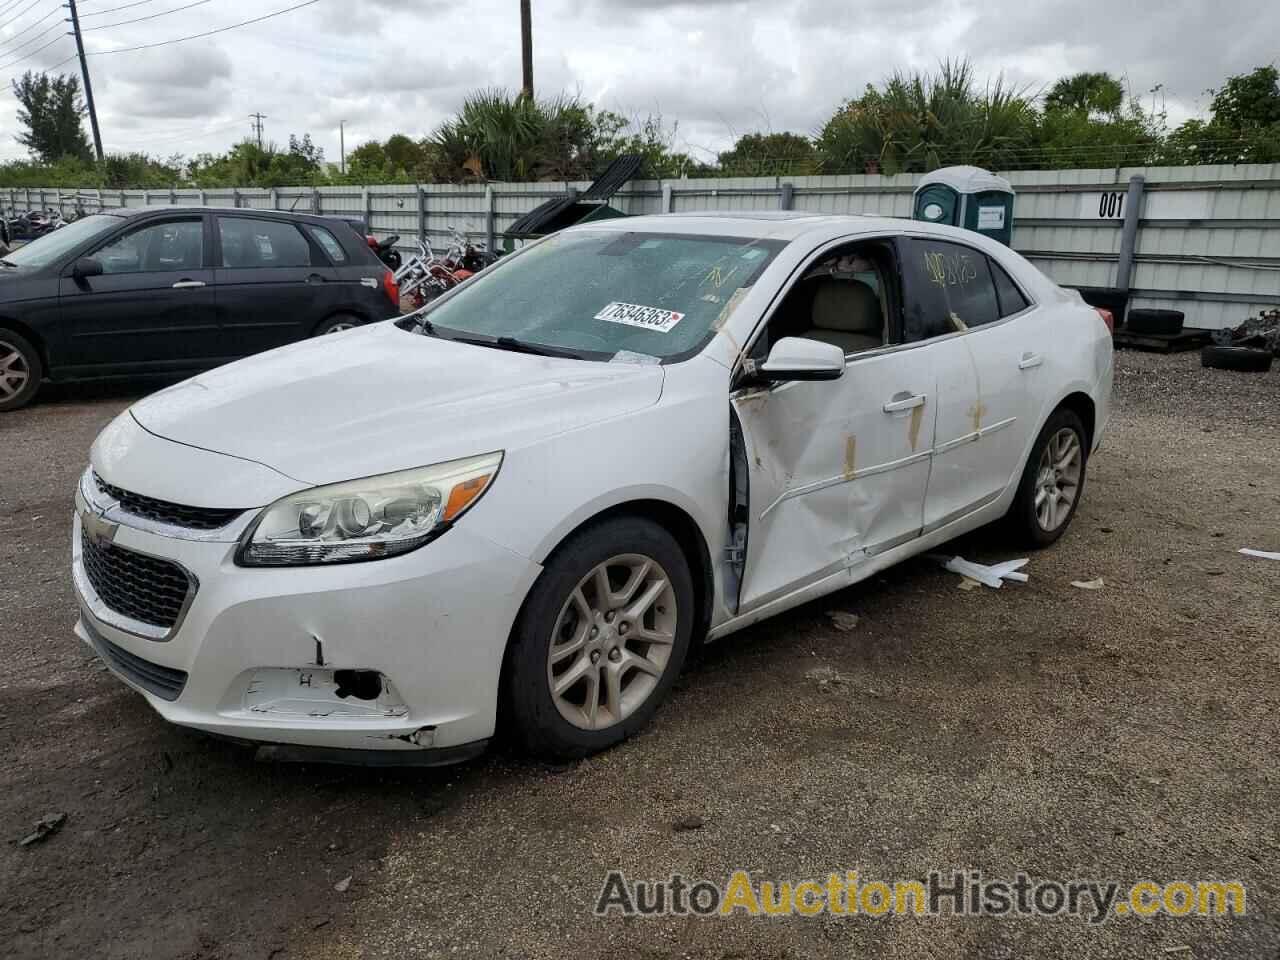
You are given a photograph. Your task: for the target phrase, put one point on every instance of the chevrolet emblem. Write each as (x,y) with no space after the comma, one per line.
(98,529)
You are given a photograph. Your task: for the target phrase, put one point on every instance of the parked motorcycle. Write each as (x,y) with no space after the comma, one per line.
(386,250)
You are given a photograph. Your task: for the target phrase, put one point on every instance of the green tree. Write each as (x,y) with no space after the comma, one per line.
(1244,124)
(1251,100)
(1096,94)
(51,109)
(769,155)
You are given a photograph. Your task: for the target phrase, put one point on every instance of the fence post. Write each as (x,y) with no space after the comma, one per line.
(1129,235)
(668,198)
(146,198)
(368,209)
(275,198)
(315,200)
(787,197)
(490,240)
(422,212)
(204,198)
(173,196)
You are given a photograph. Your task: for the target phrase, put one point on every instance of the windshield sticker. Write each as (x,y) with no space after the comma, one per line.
(635,315)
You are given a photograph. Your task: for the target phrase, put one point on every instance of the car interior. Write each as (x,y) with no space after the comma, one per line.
(842,300)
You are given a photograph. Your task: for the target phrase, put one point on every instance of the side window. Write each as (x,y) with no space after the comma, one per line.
(262,243)
(329,243)
(948,288)
(1011,299)
(173,245)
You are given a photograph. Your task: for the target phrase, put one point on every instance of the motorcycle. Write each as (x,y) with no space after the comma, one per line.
(385,250)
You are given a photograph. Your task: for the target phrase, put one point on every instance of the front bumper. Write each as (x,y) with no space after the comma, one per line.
(259,647)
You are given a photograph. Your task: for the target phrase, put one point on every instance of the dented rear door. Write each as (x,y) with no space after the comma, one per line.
(838,470)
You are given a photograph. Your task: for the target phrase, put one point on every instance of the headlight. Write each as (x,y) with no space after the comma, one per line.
(366,519)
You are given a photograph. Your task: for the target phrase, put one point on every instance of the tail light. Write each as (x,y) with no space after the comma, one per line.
(391,288)
(371,240)
(1107,318)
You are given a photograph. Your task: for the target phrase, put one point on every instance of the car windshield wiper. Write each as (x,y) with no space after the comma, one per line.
(520,346)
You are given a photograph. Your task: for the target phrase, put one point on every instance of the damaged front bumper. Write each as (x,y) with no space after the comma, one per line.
(396,656)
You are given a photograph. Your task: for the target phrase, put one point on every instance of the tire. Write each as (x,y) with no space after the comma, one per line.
(20,371)
(1026,517)
(564,617)
(1243,359)
(1157,322)
(337,323)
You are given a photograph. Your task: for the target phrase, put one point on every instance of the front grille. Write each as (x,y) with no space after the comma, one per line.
(136,585)
(162,511)
(165,682)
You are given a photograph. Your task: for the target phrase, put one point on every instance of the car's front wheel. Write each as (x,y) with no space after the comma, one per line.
(20,371)
(1052,481)
(600,640)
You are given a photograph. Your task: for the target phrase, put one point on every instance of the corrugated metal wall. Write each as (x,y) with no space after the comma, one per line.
(1208,241)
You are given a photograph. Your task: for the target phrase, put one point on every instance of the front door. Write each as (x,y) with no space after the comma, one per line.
(153,305)
(837,469)
(274,283)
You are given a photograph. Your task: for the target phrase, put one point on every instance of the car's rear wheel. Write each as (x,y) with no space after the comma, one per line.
(20,371)
(1052,481)
(600,640)
(337,323)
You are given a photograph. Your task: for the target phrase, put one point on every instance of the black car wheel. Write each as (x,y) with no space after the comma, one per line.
(20,371)
(337,323)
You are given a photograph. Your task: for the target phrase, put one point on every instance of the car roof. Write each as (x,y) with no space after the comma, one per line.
(784,225)
(165,209)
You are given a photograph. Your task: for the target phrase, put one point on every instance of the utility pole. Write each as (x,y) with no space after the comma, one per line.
(526,46)
(257,119)
(88,87)
(342,145)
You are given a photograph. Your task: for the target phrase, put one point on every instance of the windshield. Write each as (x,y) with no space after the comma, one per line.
(54,245)
(598,293)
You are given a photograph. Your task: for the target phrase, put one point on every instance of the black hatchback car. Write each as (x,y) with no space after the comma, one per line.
(173,289)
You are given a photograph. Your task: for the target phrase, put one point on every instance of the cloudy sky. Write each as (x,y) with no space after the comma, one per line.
(719,67)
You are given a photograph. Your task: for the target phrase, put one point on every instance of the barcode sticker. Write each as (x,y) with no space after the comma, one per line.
(636,315)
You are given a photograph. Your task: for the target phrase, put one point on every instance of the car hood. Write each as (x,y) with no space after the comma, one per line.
(379,399)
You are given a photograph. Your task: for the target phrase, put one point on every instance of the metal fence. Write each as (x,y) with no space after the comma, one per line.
(1202,239)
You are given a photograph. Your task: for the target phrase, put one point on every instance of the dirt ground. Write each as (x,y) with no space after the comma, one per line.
(1124,733)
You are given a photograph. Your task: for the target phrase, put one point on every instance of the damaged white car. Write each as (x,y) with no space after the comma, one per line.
(529,499)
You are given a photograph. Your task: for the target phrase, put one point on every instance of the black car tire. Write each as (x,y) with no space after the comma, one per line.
(1022,519)
(1242,359)
(337,323)
(530,712)
(1162,323)
(27,360)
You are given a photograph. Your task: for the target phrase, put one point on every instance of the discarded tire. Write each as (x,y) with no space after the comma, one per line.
(1244,359)
(1157,322)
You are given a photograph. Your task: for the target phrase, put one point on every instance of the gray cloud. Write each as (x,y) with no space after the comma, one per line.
(719,67)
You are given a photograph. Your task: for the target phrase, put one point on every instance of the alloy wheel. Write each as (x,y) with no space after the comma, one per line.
(1058,479)
(339,327)
(612,641)
(14,371)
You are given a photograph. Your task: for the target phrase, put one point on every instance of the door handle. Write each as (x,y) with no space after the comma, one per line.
(315,278)
(188,284)
(1030,360)
(906,403)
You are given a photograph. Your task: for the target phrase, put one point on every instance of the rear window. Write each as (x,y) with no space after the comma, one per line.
(329,243)
(262,243)
(1011,299)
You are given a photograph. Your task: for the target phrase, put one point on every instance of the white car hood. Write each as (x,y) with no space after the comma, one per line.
(379,399)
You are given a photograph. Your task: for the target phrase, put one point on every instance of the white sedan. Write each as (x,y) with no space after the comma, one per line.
(528,500)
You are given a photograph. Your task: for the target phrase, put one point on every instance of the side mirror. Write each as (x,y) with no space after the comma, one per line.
(798,358)
(86,267)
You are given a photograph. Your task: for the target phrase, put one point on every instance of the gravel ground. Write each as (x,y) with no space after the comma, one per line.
(1123,733)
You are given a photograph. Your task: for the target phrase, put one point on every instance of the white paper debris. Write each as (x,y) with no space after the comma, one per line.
(1088,584)
(843,621)
(1259,553)
(990,576)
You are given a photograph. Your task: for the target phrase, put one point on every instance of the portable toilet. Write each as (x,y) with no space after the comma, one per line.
(968,197)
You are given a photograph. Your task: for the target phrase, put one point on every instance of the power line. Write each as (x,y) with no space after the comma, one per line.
(32,26)
(207,33)
(17,15)
(47,69)
(124,6)
(28,56)
(9,6)
(152,16)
